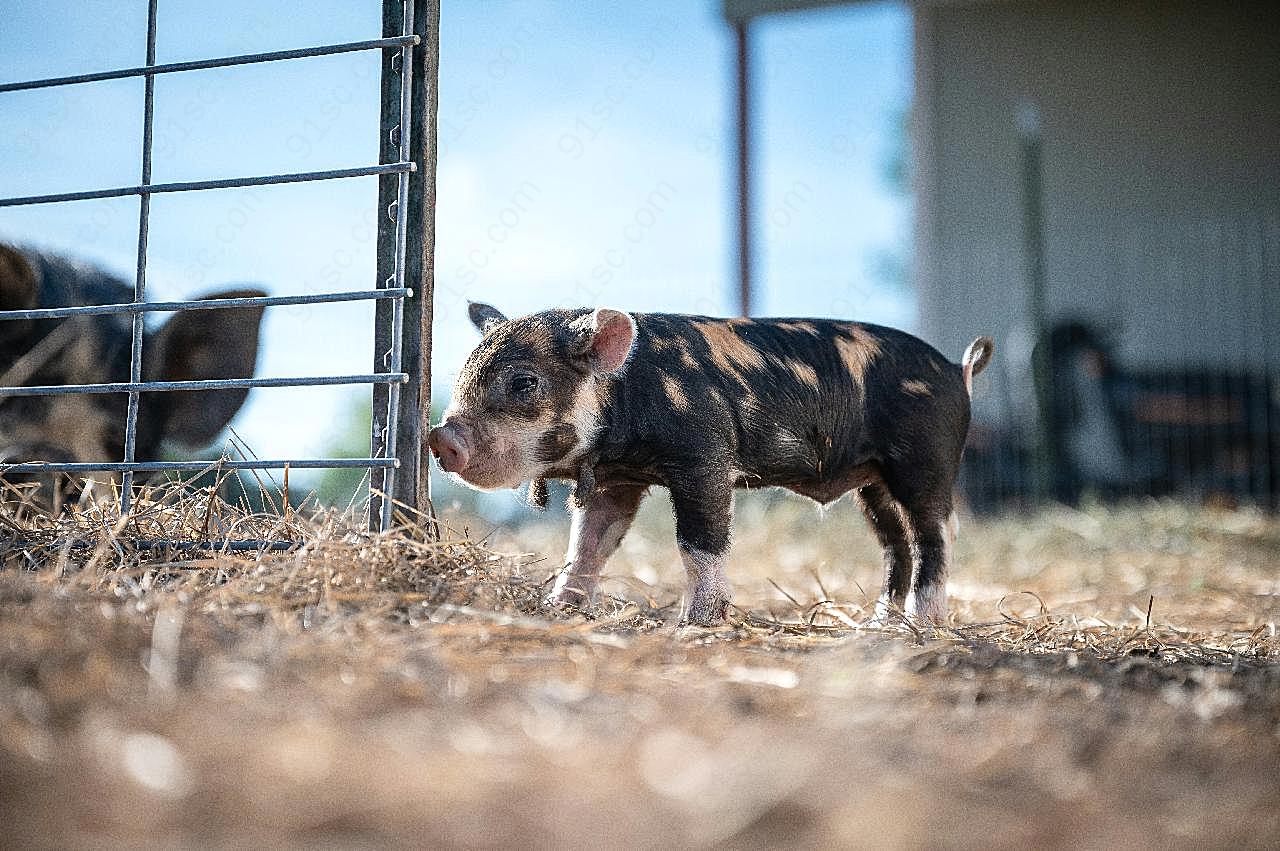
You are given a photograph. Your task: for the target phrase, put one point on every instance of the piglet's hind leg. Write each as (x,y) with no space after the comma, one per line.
(927,600)
(886,519)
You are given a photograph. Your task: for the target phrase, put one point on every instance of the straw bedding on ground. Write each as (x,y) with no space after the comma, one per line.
(1111,678)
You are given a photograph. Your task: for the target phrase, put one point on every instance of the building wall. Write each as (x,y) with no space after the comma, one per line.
(1160,125)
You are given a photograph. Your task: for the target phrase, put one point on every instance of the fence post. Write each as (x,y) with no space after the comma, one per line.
(743,130)
(138,327)
(411,479)
(1045,451)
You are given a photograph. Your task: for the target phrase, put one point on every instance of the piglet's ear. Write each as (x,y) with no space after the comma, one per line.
(611,336)
(485,317)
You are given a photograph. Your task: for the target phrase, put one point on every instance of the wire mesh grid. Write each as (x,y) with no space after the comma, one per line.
(413,150)
(1163,381)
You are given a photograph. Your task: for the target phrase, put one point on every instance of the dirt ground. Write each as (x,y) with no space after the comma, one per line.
(1111,680)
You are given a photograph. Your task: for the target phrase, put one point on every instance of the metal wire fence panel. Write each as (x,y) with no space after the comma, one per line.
(206,64)
(402,291)
(140,277)
(204,384)
(201,466)
(202,304)
(149,189)
(1163,373)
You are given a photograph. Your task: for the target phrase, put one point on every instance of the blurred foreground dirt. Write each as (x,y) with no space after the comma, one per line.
(208,705)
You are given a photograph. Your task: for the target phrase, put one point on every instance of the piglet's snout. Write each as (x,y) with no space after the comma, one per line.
(449,446)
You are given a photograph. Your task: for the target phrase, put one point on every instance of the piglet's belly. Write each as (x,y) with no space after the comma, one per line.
(822,489)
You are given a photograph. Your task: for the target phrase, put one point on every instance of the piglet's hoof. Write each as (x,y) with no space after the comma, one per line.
(570,592)
(566,599)
(928,606)
(706,609)
(887,614)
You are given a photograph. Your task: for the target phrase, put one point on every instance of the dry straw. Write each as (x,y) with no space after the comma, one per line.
(407,689)
(426,571)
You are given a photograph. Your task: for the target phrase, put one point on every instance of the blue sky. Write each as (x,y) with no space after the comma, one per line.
(583,159)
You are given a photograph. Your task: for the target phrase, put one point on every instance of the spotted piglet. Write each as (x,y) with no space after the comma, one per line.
(620,402)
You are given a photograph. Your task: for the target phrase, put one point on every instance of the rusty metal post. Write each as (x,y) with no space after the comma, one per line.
(743,96)
(1044,457)
(409,483)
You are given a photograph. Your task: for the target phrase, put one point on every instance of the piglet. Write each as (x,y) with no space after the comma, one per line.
(620,402)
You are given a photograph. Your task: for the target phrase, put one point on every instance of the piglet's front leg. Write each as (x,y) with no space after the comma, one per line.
(703,503)
(598,528)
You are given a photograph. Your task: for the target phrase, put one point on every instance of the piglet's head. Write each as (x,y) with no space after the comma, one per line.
(527,401)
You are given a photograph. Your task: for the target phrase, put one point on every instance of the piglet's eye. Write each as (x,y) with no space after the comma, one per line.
(522,386)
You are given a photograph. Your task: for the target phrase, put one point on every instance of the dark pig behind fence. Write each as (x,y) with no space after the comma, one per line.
(89,427)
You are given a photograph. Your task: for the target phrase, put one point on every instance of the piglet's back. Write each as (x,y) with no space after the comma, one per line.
(697,359)
(777,393)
